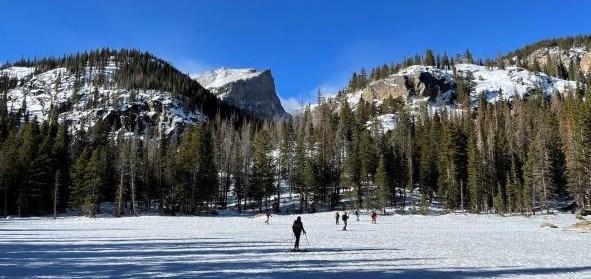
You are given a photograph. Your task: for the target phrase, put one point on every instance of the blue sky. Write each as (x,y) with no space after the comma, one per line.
(308,44)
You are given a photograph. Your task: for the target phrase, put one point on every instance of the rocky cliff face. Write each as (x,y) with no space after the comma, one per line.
(579,58)
(432,84)
(248,89)
(416,81)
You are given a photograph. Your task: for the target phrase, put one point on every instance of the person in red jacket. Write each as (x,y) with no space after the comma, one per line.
(374,217)
(298,228)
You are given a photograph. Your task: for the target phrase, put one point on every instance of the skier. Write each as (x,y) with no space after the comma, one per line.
(336,216)
(345,218)
(374,217)
(297,228)
(357,215)
(267,215)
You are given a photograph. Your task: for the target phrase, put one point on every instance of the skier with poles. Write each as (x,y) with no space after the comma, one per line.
(298,228)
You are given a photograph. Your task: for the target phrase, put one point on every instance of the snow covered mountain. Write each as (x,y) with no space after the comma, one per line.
(418,84)
(430,84)
(127,89)
(82,105)
(248,89)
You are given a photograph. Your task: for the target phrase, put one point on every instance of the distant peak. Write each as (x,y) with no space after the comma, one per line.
(222,76)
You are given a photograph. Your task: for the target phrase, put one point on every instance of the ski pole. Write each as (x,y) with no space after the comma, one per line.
(307,239)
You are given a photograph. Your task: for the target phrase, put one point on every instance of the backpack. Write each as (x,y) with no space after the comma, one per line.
(345,217)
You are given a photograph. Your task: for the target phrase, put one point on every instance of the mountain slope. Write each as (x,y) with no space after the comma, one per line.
(568,57)
(124,88)
(417,82)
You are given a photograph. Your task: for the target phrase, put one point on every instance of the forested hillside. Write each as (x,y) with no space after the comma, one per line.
(471,152)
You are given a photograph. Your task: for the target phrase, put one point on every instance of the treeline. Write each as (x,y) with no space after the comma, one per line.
(562,43)
(505,157)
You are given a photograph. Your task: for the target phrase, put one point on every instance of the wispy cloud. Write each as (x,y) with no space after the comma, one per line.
(291,105)
(192,67)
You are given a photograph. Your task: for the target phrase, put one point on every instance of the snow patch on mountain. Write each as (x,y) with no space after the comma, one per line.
(213,80)
(499,84)
(495,83)
(17,72)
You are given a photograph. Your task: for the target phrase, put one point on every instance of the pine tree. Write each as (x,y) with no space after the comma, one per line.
(9,171)
(28,188)
(381,181)
(208,174)
(79,176)
(429,58)
(56,193)
(452,166)
(61,160)
(474,171)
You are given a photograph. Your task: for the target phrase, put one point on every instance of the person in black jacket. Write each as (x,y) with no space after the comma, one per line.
(345,218)
(298,228)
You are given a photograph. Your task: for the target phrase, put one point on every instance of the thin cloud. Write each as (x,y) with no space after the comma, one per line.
(192,67)
(291,105)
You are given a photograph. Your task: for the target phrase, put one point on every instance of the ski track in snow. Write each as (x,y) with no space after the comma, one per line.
(411,246)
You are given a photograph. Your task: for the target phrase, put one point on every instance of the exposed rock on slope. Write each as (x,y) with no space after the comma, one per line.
(433,84)
(578,58)
(415,81)
(248,89)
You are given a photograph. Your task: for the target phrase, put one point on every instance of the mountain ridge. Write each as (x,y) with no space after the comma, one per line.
(122,87)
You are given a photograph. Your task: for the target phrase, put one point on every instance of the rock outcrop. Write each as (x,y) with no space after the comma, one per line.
(248,89)
(414,81)
(435,85)
(579,58)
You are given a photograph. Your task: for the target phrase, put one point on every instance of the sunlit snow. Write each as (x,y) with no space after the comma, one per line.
(398,246)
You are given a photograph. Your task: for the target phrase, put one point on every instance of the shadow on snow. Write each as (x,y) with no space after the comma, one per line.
(221,258)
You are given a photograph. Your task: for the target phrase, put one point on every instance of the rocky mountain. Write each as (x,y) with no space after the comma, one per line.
(432,84)
(568,57)
(124,88)
(576,58)
(39,93)
(248,89)
(437,88)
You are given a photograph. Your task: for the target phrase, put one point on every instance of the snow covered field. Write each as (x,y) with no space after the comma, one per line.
(443,246)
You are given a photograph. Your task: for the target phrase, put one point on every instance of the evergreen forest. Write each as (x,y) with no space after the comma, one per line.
(507,157)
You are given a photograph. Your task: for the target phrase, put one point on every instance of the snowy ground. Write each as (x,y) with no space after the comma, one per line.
(444,246)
